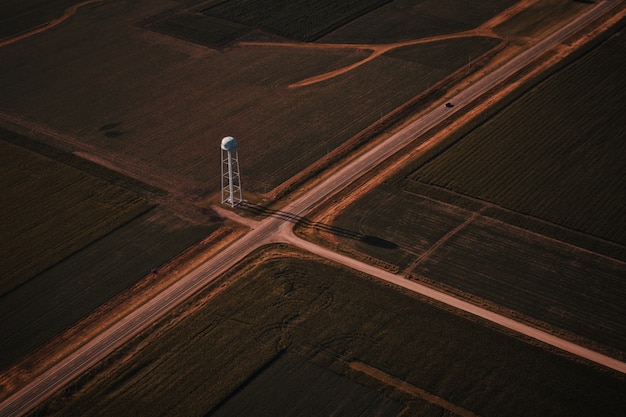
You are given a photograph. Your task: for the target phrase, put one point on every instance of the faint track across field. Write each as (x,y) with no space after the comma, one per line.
(69,12)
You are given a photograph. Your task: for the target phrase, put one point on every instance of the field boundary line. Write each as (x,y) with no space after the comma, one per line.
(443,240)
(410,389)
(107,159)
(489,204)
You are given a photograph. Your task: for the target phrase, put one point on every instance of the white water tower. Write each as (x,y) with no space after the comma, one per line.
(231,183)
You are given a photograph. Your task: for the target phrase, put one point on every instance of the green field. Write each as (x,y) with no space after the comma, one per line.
(296,321)
(50,210)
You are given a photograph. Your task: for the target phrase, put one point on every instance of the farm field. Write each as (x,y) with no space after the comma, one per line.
(402,20)
(372,21)
(578,147)
(145,90)
(71,242)
(471,253)
(298,20)
(310,321)
(527,219)
(158,111)
(57,298)
(539,16)
(51,210)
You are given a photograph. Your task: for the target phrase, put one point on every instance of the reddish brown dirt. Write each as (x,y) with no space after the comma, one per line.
(71,339)
(66,15)
(410,389)
(377,50)
(486,29)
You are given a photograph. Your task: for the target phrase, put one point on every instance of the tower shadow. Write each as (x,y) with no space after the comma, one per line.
(305,222)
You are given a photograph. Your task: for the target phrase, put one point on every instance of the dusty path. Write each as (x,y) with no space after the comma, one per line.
(287,236)
(486,30)
(69,12)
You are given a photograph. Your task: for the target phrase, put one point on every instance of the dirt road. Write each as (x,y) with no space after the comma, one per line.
(475,310)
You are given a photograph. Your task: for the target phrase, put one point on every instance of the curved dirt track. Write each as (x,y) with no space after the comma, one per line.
(459,304)
(69,12)
(377,50)
(485,30)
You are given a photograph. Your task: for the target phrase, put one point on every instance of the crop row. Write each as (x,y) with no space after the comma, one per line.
(566,287)
(198,28)
(556,171)
(299,19)
(411,223)
(557,153)
(51,210)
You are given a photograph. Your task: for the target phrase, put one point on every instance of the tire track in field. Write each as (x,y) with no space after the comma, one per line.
(69,12)
(443,240)
(410,389)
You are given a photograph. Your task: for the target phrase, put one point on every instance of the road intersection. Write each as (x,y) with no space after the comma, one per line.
(275,229)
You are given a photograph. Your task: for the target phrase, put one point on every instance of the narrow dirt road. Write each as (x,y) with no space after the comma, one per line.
(459,304)
(486,29)
(377,50)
